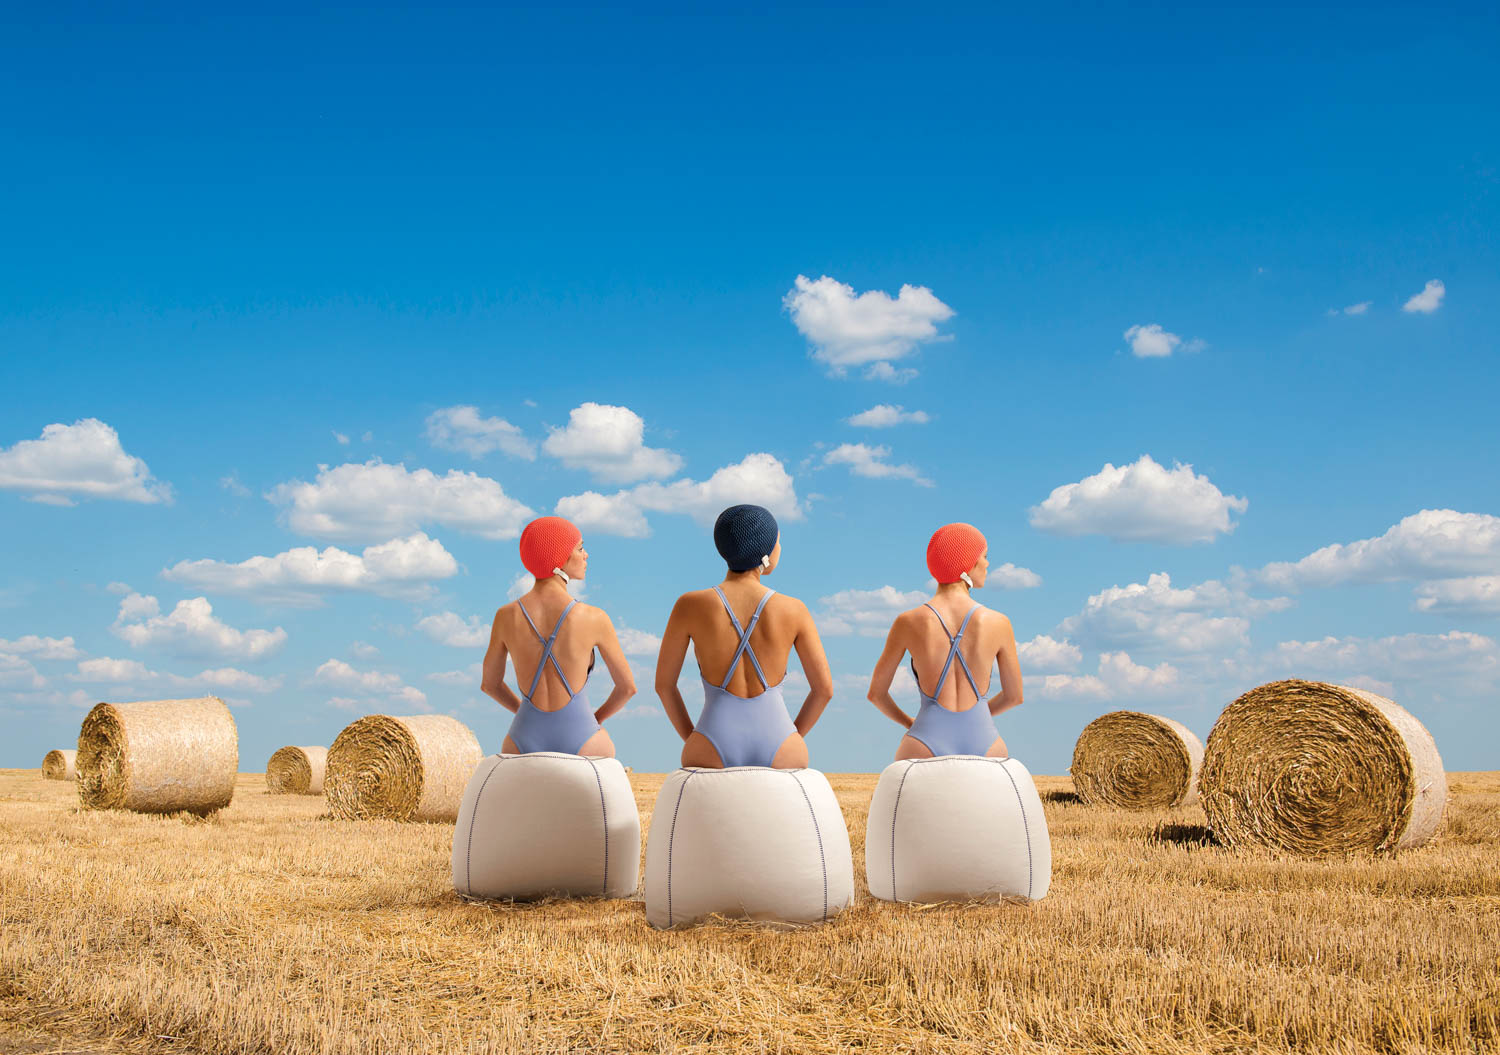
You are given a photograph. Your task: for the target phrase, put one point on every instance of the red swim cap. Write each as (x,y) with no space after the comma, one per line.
(955,548)
(547,543)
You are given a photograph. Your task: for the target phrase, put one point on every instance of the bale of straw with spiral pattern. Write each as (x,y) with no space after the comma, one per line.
(158,756)
(405,769)
(1317,769)
(60,764)
(1136,761)
(296,771)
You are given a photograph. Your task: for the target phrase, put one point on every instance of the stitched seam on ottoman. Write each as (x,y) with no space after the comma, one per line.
(469,850)
(605,811)
(671,838)
(1025,824)
(822,858)
(894,811)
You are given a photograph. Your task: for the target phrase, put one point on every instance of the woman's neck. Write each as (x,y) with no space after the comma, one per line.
(552,587)
(950,589)
(753,575)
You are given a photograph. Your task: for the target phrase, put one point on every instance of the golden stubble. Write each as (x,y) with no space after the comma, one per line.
(271,927)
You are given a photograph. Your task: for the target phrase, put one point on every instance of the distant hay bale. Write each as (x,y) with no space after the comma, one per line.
(404,769)
(1317,769)
(1136,761)
(60,764)
(296,771)
(158,756)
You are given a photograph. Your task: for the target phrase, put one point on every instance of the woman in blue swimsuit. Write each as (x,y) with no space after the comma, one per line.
(546,628)
(742,634)
(955,718)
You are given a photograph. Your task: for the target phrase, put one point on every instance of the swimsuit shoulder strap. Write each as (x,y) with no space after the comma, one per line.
(744,646)
(954,641)
(547,653)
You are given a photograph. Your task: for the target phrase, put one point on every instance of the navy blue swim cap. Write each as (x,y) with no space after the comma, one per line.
(744,534)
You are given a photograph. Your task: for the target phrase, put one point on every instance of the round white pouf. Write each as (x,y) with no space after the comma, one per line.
(957,828)
(750,842)
(547,823)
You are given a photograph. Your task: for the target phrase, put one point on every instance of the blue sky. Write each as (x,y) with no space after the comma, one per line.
(254,266)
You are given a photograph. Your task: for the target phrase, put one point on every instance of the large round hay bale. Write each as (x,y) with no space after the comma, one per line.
(296,771)
(158,756)
(404,769)
(1318,769)
(60,764)
(1136,761)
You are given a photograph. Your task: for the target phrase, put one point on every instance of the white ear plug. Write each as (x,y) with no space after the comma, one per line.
(965,577)
(765,560)
(561,575)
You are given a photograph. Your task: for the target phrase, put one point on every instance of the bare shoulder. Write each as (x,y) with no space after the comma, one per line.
(993,620)
(594,615)
(788,604)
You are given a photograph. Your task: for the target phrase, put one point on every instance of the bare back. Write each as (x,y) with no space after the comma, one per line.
(581,632)
(715,638)
(984,640)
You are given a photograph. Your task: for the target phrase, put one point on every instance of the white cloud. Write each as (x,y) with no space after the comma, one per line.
(191,629)
(450,628)
(40,647)
(864,460)
(871,329)
(884,415)
(1118,678)
(119,587)
(364,650)
(18,673)
(868,613)
(887,372)
(342,439)
(232,484)
(1358,309)
(113,670)
(1434,543)
(1156,616)
(1457,656)
(1475,595)
(376,500)
(132,672)
(1008,576)
(339,674)
(462,429)
(608,441)
(1141,502)
(638,642)
(1152,342)
(757,478)
(1043,653)
(1427,301)
(469,676)
(84,458)
(402,567)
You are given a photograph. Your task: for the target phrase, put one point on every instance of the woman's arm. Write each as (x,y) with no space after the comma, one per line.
(619,669)
(885,673)
(1010,671)
(815,666)
(669,660)
(492,677)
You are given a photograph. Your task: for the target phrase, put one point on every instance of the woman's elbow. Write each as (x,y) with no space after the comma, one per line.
(627,688)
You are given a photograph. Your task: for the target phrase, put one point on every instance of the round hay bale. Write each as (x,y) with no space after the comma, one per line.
(1318,769)
(60,764)
(403,769)
(158,756)
(1136,761)
(296,771)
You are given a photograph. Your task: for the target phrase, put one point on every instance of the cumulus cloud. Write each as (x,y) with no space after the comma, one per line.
(1208,617)
(1434,543)
(364,650)
(758,478)
(1474,595)
(1358,309)
(609,442)
(635,642)
(84,459)
(1152,342)
(884,415)
(1008,576)
(337,673)
(132,672)
(1427,301)
(191,629)
(868,613)
(872,329)
(19,673)
(232,484)
(469,677)
(864,460)
(1454,657)
(40,647)
(462,429)
(450,628)
(402,567)
(1119,678)
(1042,654)
(1140,502)
(376,500)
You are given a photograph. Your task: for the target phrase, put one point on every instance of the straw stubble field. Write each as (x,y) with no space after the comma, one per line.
(270,927)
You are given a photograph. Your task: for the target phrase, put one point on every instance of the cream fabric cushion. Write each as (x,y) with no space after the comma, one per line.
(957,828)
(547,823)
(748,841)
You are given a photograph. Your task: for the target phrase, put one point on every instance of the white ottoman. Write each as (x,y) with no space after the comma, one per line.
(547,823)
(750,842)
(957,828)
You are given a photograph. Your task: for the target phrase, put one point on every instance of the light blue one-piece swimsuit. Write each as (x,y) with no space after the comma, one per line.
(566,729)
(745,730)
(970,731)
